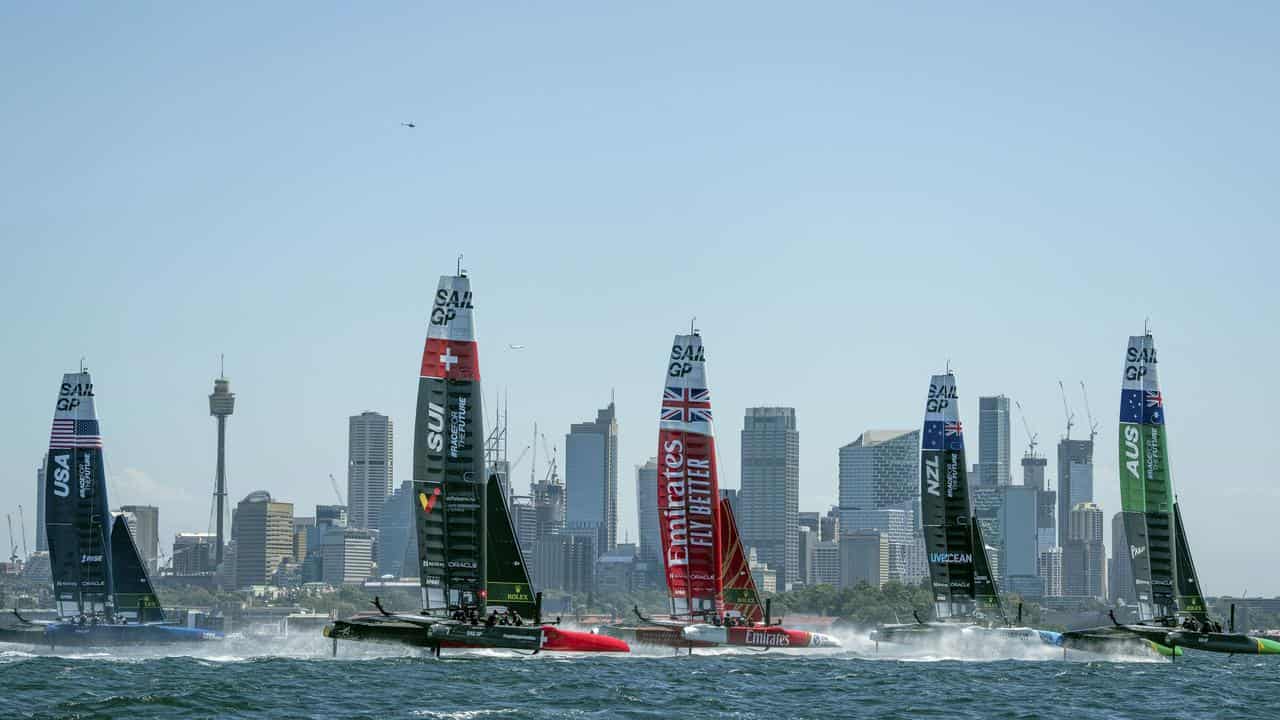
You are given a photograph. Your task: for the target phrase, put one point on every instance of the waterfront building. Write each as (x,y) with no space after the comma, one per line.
(1084,556)
(144,525)
(193,554)
(42,538)
(369,468)
(591,476)
(1050,571)
(398,537)
(768,514)
(1019,551)
(566,563)
(808,539)
(880,491)
(864,558)
(262,530)
(993,442)
(826,563)
(347,556)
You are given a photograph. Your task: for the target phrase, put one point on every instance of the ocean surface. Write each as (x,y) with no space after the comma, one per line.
(299,679)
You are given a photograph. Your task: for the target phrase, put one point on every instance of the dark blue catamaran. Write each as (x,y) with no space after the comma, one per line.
(104,596)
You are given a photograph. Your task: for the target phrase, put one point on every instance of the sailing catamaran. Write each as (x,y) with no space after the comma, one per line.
(1171,607)
(475,587)
(714,600)
(104,596)
(967,604)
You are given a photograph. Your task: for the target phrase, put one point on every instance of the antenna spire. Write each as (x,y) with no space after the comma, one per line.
(459,264)
(82,364)
(1146,326)
(222,365)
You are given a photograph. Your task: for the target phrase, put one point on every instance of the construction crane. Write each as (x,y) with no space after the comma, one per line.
(1093,426)
(13,547)
(1031,437)
(23,519)
(334,482)
(1071,418)
(551,464)
(512,467)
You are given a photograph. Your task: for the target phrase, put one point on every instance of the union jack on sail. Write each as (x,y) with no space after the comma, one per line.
(686,404)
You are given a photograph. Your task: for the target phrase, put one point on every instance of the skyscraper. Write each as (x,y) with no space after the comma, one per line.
(768,514)
(1019,551)
(146,533)
(1033,468)
(880,491)
(1075,481)
(647,509)
(369,468)
(591,477)
(222,403)
(1084,557)
(1120,570)
(42,540)
(263,534)
(398,534)
(1050,570)
(993,441)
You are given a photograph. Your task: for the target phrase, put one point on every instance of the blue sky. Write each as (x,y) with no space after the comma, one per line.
(845,195)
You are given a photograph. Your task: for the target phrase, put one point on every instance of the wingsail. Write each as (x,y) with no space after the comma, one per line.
(688,494)
(77,519)
(944,502)
(448,458)
(508,578)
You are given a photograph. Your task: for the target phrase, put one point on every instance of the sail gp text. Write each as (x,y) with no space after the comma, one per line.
(689,510)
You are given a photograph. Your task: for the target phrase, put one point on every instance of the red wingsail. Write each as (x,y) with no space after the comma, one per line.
(688,494)
(740,594)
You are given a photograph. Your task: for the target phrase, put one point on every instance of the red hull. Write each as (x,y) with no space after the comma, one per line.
(559,640)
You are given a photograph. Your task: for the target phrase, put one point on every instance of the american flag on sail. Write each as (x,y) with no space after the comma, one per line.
(686,404)
(69,433)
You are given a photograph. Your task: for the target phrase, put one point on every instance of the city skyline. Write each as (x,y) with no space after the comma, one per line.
(1053,207)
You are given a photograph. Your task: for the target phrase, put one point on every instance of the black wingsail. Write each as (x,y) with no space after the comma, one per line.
(508,578)
(448,457)
(1189,597)
(135,598)
(986,590)
(77,520)
(944,502)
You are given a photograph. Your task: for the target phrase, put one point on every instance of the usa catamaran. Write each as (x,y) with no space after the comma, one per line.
(1171,607)
(475,587)
(103,593)
(967,604)
(714,600)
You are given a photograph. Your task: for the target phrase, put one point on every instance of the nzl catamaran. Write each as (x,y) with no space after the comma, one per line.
(967,604)
(475,588)
(103,594)
(714,600)
(1171,607)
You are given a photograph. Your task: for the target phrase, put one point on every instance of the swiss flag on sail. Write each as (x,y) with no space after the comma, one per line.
(451,359)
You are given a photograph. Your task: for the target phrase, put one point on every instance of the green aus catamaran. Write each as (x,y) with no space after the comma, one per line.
(1171,607)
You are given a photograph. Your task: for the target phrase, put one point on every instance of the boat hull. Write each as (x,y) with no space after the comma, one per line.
(652,635)
(758,636)
(919,634)
(452,634)
(1230,643)
(109,635)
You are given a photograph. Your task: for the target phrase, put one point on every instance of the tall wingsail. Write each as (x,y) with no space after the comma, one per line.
(1146,493)
(448,458)
(507,578)
(740,593)
(688,495)
(77,520)
(944,501)
(135,597)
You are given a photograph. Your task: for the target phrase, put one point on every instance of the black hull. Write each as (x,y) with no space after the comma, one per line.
(443,634)
(1230,643)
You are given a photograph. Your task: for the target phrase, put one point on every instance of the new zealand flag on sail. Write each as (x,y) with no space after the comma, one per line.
(933,435)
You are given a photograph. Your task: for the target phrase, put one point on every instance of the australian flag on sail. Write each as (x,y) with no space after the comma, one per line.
(1131,406)
(68,433)
(933,435)
(686,404)
(1153,408)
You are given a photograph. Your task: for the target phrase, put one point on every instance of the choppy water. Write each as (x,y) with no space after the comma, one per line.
(300,679)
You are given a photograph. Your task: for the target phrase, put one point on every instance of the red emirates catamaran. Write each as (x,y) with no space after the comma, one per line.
(714,600)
